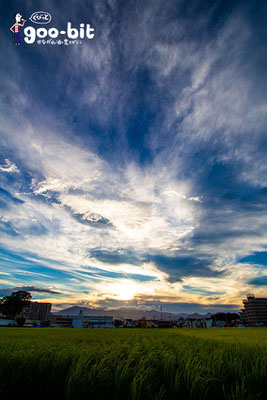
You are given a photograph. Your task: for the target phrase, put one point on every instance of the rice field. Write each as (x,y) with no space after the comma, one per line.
(136,364)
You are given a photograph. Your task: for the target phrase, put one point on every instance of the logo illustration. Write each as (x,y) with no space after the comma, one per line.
(40,17)
(15,28)
(47,34)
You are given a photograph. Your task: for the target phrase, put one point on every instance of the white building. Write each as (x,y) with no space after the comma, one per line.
(84,321)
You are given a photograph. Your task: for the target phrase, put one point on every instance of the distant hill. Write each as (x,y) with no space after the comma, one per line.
(127,313)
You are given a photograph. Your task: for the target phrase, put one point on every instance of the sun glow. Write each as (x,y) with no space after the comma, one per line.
(125,290)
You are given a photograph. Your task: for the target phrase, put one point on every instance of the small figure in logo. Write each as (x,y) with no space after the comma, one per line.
(15,28)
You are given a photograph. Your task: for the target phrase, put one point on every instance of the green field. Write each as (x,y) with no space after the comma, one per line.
(133,364)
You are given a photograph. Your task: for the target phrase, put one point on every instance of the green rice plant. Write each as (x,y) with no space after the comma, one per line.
(137,364)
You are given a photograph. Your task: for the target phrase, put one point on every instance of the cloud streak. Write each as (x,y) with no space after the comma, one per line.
(8,166)
(149,172)
(31,289)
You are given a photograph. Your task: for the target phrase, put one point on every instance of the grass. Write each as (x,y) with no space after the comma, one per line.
(137,364)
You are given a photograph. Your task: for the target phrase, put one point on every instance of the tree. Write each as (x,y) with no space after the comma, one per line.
(20,321)
(118,323)
(226,317)
(11,306)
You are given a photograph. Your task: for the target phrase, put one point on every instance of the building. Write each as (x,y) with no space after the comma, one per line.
(255,311)
(37,311)
(197,323)
(234,324)
(7,322)
(77,321)
(130,323)
(84,321)
(98,322)
(60,321)
(144,323)
(192,323)
(162,323)
(207,322)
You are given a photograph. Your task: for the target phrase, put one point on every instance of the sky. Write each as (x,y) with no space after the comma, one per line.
(133,165)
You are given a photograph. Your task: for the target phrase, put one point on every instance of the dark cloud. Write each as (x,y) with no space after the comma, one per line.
(219,235)
(7,228)
(6,198)
(182,265)
(34,289)
(93,220)
(13,229)
(228,201)
(192,289)
(260,281)
(176,267)
(115,257)
(170,304)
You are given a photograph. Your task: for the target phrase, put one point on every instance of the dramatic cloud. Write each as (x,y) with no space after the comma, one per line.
(133,167)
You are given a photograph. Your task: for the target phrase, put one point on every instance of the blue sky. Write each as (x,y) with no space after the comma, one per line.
(133,165)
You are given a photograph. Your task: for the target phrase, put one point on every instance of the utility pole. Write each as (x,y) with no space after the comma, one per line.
(160,307)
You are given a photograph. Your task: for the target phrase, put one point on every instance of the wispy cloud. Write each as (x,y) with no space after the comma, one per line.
(8,166)
(149,172)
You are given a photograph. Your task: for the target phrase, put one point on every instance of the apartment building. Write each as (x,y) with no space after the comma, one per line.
(254,311)
(37,311)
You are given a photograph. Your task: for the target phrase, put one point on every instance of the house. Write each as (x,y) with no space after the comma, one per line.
(130,323)
(164,323)
(144,323)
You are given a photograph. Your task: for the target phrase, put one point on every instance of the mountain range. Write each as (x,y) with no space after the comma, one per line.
(127,313)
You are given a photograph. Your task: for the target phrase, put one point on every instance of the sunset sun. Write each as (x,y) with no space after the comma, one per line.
(125,290)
